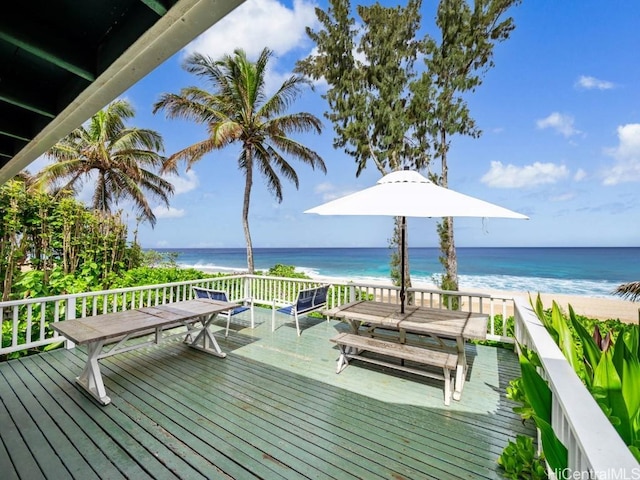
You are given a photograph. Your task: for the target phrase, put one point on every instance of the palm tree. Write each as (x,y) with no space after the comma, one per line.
(122,160)
(630,291)
(238,111)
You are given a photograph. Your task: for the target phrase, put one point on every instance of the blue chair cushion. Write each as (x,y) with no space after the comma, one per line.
(288,310)
(239,309)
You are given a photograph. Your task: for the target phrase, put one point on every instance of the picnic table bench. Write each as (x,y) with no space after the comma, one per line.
(442,326)
(111,331)
(352,346)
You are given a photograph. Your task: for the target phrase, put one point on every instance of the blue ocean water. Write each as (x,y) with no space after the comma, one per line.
(573,271)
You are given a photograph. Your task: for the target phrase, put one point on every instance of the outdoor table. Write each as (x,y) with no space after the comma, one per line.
(438,323)
(118,327)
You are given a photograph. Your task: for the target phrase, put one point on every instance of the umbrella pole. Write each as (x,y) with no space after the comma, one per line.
(402,266)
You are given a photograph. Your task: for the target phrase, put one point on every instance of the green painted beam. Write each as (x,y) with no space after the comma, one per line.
(39,48)
(12,135)
(155,6)
(26,106)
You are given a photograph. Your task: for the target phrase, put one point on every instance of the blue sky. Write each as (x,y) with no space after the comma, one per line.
(560,116)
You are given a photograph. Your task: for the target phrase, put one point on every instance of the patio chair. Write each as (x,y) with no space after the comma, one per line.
(221,296)
(307,301)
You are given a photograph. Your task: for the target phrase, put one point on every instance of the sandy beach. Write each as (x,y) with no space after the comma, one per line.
(592,307)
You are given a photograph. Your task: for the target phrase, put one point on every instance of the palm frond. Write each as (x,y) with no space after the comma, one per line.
(630,291)
(121,161)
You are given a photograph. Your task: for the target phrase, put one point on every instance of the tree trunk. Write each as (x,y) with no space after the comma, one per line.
(447,242)
(406,272)
(451,256)
(245,214)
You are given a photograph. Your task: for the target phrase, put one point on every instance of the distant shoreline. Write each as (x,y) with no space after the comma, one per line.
(592,307)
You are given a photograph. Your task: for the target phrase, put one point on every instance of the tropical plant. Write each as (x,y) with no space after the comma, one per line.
(609,366)
(122,161)
(43,239)
(237,110)
(288,271)
(520,460)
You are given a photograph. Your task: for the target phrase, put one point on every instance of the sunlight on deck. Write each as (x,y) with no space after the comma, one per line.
(313,356)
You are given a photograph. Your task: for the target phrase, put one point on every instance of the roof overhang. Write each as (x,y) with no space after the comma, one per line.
(131,38)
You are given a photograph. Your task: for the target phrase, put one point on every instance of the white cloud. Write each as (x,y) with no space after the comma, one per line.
(330,192)
(580,175)
(170,212)
(186,182)
(324,187)
(512,176)
(627,156)
(273,80)
(592,83)
(559,122)
(565,197)
(257,24)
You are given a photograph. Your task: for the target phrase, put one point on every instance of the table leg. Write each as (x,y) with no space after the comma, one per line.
(355,325)
(343,361)
(91,379)
(205,340)
(461,369)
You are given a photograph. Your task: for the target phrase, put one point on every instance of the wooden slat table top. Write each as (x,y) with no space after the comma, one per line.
(116,324)
(190,308)
(425,320)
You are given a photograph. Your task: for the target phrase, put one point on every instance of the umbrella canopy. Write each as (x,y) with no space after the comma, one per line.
(406,193)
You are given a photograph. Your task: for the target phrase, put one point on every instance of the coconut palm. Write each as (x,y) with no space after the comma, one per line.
(237,111)
(630,291)
(124,162)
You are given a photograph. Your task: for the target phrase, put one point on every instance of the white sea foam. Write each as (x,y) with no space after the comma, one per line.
(509,283)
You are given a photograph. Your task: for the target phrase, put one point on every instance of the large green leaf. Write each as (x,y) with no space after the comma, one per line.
(538,307)
(607,386)
(590,349)
(565,338)
(536,389)
(631,336)
(555,452)
(627,366)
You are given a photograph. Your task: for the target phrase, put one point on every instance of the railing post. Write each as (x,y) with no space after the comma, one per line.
(70,314)
(246,287)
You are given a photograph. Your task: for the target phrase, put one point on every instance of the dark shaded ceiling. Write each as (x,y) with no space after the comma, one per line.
(63,60)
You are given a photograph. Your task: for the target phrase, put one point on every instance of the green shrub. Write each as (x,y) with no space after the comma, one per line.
(519,460)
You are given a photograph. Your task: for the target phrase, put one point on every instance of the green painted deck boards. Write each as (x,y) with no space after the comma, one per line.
(274,408)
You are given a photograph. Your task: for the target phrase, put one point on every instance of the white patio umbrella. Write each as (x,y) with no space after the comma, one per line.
(406,193)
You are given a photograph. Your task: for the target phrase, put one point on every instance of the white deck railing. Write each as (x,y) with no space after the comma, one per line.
(596,450)
(24,322)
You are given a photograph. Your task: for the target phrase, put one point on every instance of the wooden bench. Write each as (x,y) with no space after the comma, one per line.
(308,300)
(351,346)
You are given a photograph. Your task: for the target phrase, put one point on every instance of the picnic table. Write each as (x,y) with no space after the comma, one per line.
(439,324)
(107,334)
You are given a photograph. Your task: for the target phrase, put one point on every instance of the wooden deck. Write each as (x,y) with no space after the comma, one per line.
(274,408)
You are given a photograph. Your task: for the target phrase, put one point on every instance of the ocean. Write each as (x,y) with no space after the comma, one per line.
(574,271)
